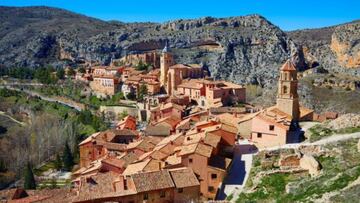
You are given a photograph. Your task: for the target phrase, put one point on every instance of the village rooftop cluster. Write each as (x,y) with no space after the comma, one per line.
(193,124)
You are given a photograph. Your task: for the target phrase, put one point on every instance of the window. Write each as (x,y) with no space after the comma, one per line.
(213,176)
(190,160)
(146,196)
(162,194)
(271,127)
(259,135)
(125,184)
(285,90)
(211,189)
(180,190)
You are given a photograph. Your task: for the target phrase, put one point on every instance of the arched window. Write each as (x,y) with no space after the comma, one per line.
(285,89)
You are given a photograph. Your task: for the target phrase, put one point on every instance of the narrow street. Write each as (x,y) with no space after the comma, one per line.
(239,171)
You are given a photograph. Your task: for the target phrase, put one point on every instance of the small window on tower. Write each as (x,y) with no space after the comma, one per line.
(285,90)
(271,127)
(259,135)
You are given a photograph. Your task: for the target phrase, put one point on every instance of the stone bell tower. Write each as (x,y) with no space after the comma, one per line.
(166,60)
(287,98)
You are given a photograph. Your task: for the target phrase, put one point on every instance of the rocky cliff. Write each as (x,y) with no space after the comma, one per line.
(245,49)
(336,48)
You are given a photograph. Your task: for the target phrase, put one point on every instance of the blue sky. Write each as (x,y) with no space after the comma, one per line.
(288,15)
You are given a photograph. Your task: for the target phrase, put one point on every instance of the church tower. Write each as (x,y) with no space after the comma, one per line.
(287,98)
(166,60)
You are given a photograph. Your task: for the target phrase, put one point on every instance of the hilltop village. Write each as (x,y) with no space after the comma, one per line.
(185,150)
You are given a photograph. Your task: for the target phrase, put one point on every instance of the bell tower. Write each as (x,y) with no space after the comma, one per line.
(166,60)
(287,98)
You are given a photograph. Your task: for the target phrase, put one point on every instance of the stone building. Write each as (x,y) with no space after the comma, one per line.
(287,98)
(166,60)
(208,93)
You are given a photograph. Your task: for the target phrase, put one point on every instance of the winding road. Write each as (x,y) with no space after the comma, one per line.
(32,93)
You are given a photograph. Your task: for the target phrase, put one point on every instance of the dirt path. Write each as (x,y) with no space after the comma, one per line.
(11,118)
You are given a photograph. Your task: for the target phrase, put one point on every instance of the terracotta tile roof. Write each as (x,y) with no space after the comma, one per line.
(184,124)
(170,138)
(129,158)
(158,130)
(62,195)
(156,180)
(197,148)
(212,139)
(276,117)
(184,177)
(112,146)
(171,121)
(173,160)
(136,167)
(158,155)
(288,66)
(96,186)
(227,110)
(93,167)
(114,162)
(90,138)
(305,111)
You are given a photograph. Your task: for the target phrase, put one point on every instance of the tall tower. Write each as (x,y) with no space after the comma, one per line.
(166,60)
(287,98)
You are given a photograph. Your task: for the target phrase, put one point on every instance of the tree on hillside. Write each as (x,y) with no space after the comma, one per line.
(68,159)
(60,74)
(29,180)
(142,66)
(3,168)
(82,70)
(70,72)
(142,92)
(58,162)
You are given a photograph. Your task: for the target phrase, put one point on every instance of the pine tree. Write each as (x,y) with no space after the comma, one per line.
(58,162)
(68,159)
(29,178)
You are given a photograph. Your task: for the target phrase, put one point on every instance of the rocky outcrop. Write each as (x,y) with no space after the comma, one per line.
(350,120)
(358,146)
(309,163)
(345,43)
(335,49)
(247,49)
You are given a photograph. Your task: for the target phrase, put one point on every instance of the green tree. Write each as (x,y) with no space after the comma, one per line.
(29,180)
(131,96)
(53,183)
(123,114)
(60,74)
(82,70)
(70,72)
(68,159)
(44,75)
(142,66)
(142,92)
(2,166)
(58,162)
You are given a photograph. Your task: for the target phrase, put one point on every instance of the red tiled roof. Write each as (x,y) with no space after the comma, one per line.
(288,66)
(156,180)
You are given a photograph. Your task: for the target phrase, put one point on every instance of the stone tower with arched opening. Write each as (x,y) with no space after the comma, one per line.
(287,98)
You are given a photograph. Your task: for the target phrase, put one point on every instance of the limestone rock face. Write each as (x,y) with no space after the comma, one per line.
(308,162)
(336,49)
(247,49)
(358,145)
(346,46)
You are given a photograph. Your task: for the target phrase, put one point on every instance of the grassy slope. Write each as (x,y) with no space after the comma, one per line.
(338,170)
